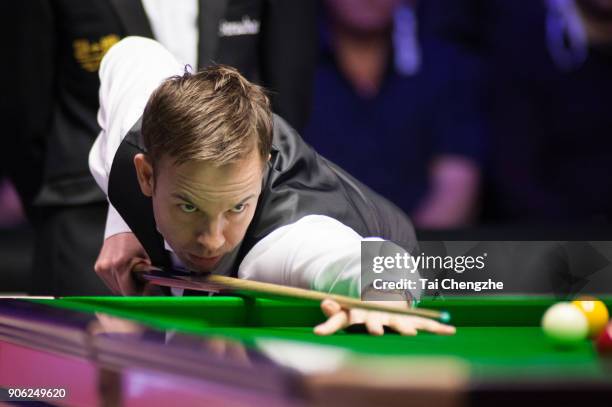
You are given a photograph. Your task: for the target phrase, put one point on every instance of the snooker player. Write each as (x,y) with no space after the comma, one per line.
(202,176)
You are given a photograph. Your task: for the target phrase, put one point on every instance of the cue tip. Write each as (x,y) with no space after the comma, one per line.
(445,317)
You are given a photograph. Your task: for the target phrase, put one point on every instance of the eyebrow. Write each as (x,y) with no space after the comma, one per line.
(187,199)
(246,199)
(181,197)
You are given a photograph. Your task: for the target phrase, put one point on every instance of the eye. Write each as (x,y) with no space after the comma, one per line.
(188,208)
(239,208)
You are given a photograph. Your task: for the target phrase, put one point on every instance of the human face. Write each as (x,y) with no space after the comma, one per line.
(201,210)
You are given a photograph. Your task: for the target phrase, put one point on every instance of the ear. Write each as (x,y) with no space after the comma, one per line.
(144,171)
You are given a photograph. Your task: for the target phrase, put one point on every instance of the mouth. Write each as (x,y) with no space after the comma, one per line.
(203,263)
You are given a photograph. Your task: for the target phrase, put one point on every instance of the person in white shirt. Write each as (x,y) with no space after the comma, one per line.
(228,188)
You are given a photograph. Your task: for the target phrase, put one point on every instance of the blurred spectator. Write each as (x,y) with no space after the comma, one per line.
(21,114)
(549,87)
(71,37)
(11,213)
(15,242)
(391,108)
(21,148)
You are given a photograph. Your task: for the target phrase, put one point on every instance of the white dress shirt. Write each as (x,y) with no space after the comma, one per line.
(175,25)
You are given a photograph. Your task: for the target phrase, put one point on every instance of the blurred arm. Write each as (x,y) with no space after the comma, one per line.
(453,197)
(317,253)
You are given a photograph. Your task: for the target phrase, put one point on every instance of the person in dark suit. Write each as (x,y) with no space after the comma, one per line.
(252,36)
(22,115)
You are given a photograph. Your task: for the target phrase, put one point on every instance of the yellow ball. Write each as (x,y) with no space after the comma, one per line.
(596,313)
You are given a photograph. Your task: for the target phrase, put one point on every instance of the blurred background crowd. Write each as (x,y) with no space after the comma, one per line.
(481,119)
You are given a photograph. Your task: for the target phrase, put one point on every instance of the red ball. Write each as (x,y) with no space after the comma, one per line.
(604,341)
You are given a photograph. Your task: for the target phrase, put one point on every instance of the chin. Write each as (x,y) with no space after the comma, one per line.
(200,264)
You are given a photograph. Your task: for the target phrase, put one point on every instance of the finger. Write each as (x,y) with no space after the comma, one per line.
(444,329)
(375,323)
(138,266)
(141,265)
(330,307)
(333,324)
(110,279)
(117,287)
(104,272)
(357,316)
(127,283)
(429,325)
(403,326)
(111,282)
(127,277)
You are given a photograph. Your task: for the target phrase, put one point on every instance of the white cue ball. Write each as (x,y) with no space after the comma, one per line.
(565,323)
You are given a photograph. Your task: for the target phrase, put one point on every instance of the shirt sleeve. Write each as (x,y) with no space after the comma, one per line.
(316,252)
(114,223)
(130,71)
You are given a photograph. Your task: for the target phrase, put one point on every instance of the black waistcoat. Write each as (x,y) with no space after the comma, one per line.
(298,182)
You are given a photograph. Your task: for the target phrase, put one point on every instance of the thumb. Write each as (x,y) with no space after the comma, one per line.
(330,307)
(140,265)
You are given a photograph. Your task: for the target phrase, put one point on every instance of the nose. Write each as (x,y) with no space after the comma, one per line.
(211,237)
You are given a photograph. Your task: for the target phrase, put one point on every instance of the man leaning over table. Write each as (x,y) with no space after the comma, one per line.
(202,176)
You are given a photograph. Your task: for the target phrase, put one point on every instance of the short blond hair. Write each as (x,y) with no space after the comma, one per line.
(215,115)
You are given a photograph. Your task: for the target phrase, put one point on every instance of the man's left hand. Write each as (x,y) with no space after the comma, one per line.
(375,321)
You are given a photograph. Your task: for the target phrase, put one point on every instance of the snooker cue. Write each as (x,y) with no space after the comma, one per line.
(215,282)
